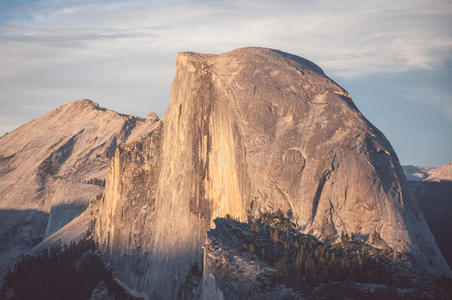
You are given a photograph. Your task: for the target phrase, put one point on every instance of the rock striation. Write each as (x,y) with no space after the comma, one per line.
(47,165)
(250,131)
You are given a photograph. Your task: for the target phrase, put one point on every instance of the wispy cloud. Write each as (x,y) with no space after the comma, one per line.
(117,50)
(121,53)
(348,38)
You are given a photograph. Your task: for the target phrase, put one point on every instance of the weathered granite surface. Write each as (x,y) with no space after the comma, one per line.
(44,167)
(249,131)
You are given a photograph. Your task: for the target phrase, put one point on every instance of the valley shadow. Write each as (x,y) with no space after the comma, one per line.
(62,214)
(21,230)
(159,275)
(28,227)
(435,201)
(21,227)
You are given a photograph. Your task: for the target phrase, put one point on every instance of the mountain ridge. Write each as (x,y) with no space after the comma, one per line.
(47,165)
(435,174)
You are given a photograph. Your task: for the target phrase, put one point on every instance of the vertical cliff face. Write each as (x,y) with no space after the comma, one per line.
(249,131)
(127,215)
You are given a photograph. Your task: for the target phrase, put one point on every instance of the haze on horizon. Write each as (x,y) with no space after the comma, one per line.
(395,59)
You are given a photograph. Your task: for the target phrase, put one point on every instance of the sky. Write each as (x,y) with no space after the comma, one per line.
(393,57)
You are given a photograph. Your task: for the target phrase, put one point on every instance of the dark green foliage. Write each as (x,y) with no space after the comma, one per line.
(302,260)
(60,272)
(318,270)
(47,168)
(309,261)
(95,181)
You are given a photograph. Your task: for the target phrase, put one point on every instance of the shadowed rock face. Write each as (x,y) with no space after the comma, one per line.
(44,166)
(249,131)
(435,200)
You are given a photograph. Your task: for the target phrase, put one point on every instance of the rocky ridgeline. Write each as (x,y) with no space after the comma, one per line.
(51,167)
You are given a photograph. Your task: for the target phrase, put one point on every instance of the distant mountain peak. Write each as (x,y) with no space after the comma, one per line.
(80,103)
(420,173)
(52,166)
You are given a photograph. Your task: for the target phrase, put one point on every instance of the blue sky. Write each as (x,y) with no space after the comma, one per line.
(395,59)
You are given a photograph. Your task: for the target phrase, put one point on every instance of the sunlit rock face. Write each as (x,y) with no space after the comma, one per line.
(441,173)
(45,167)
(249,131)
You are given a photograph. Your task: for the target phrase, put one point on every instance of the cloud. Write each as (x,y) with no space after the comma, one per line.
(350,38)
(56,51)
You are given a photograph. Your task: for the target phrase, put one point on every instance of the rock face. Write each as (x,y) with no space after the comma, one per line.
(230,274)
(45,166)
(417,173)
(267,258)
(249,131)
(440,173)
(432,188)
